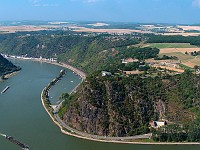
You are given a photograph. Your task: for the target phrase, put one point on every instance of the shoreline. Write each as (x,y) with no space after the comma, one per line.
(77,71)
(83,76)
(9,75)
(43,60)
(108,141)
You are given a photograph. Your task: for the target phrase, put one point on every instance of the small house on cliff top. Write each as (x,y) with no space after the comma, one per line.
(105,73)
(157,124)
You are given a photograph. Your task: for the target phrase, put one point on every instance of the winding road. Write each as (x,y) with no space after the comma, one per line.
(83,134)
(74,131)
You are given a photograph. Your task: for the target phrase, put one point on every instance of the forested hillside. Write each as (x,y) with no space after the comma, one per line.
(83,51)
(123,106)
(6,66)
(116,105)
(193,40)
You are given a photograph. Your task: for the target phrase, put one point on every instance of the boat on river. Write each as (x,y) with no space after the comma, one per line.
(4,90)
(11,139)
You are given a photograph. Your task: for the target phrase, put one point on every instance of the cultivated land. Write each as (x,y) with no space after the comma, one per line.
(187,60)
(183,34)
(83,29)
(13,29)
(158,29)
(170,45)
(178,50)
(186,28)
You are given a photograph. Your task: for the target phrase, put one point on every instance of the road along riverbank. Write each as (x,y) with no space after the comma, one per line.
(49,61)
(106,140)
(73,132)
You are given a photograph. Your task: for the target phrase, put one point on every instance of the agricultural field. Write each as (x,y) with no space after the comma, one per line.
(178,50)
(186,60)
(13,29)
(170,45)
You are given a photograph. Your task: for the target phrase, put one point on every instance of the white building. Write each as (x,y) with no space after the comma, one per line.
(105,73)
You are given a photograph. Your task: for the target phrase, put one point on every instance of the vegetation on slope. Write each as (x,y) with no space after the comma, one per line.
(114,106)
(79,50)
(117,105)
(122,106)
(6,66)
(193,40)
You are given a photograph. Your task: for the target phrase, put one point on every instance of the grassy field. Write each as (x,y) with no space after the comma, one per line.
(186,60)
(174,50)
(178,50)
(185,67)
(181,56)
(171,45)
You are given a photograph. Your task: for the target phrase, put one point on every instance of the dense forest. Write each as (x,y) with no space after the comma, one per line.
(193,40)
(78,50)
(187,88)
(113,63)
(189,132)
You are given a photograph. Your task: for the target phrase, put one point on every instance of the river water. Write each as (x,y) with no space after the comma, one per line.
(23,117)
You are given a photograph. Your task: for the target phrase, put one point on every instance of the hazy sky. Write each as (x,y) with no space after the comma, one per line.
(148,11)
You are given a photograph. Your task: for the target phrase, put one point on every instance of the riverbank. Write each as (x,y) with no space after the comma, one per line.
(50,61)
(121,140)
(111,141)
(75,70)
(105,141)
(7,76)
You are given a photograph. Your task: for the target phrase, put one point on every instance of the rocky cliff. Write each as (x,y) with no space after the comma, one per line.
(123,106)
(116,106)
(6,66)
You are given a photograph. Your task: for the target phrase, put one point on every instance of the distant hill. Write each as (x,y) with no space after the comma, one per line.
(6,66)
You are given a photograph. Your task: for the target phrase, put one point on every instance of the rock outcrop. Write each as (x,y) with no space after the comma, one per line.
(114,107)
(6,66)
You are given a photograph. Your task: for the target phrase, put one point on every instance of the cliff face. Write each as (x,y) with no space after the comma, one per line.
(115,106)
(6,66)
(123,106)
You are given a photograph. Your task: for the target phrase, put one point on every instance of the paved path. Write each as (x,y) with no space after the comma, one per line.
(144,136)
(83,134)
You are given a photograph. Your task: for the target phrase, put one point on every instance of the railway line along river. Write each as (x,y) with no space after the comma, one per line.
(23,116)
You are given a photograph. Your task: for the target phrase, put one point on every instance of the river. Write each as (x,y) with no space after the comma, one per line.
(23,117)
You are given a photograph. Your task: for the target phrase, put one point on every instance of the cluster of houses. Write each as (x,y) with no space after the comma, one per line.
(166,63)
(30,58)
(129,60)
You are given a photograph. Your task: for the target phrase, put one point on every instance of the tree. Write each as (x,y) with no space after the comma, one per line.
(196,67)
(64,96)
